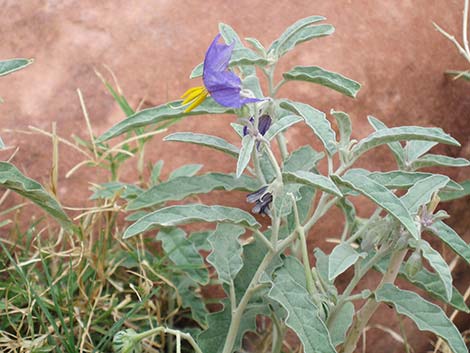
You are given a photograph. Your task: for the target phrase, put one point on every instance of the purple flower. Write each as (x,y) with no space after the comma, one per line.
(264,123)
(222,84)
(262,200)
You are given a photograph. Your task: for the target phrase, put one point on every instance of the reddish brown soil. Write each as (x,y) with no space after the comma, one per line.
(390,47)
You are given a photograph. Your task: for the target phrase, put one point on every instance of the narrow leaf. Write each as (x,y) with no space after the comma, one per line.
(183,254)
(204,140)
(436,160)
(289,290)
(333,80)
(317,121)
(415,149)
(453,195)
(187,170)
(396,148)
(439,265)
(248,143)
(341,258)
(226,251)
(344,125)
(11,178)
(281,125)
(380,195)
(304,158)
(316,181)
(404,180)
(12,65)
(427,316)
(303,35)
(163,113)
(421,192)
(179,188)
(451,239)
(177,215)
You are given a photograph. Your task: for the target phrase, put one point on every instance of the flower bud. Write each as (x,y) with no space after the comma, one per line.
(125,342)
(414,264)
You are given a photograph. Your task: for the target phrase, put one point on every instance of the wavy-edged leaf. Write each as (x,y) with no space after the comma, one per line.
(248,143)
(451,239)
(396,148)
(281,125)
(439,265)
(200,241)
(289,290)
(436,160)
(304,158)
(191,299)
(226,254)
(349,214)
(303,35)
(341,258)
(431,283)
(251,82)
(421,192)
(402,133)
(210,141)
(427,316)
(183,214)
(344,125)
(179,188)
(317,121)
(162,113)
(11,178)
(12,65)
(304,204)
(183,254)
(111,189)
(398,179)
(316,181)
(245,56)
(291,31)
(187,170)
(330,79)
(380,195)
(448,195)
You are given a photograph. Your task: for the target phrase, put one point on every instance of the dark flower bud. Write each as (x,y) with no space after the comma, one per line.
(262,200)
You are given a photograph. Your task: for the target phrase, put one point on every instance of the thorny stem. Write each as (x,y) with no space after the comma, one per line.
(365,313)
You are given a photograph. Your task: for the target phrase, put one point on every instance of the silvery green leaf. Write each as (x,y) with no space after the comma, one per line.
(349,214)
(197,71)
(111,189)
(427,316)
(12,65)
(449,195)
(330,79)
(281,125)
(304,204)
(257,45)
(282,203)
(461,75)
(341,258)
(316,181)
(317,121)
(210,141)
(341,322)
(380,195)
(303,35)
(238,129)
(421,192)
(191,299)
(169,112)
(248,143)
(183,214)
(156,171)
(396,148)
(266,167)
(415,149)
(200,241)
(183,254)
(251,83)
(436,160)
(12,179)
(344,125)
(291,31)
(213,338)
(451,239)
(226,254)
(398,179)
(395,134)
(289,290)
(322,264)
(2,144)
(181,187)
(245,56)
(187,170)
(439,265)
(431,283)
(304,158)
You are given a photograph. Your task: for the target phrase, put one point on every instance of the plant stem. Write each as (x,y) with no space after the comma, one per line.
(170,331)
(369,308)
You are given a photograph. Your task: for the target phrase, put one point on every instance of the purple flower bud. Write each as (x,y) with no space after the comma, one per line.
(262,200)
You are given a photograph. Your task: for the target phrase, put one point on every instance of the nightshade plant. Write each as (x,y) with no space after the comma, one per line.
(266,272)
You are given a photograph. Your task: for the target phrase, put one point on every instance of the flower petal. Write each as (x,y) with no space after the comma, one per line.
(217,56)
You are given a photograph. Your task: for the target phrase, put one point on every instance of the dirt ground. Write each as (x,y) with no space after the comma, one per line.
(390,47)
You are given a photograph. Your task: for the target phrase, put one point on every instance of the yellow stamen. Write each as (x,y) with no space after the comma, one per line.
(197,101)
(191,90)
(193,95)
